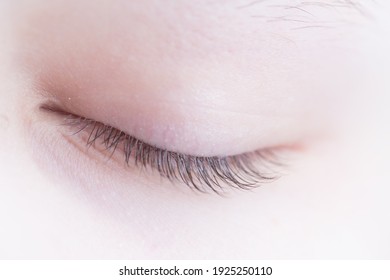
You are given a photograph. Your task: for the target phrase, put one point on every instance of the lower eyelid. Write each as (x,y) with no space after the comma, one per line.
(95,152)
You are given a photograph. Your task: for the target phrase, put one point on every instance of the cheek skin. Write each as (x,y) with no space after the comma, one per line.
(175,85)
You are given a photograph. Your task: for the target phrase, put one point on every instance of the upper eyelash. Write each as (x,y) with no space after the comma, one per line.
(199,173)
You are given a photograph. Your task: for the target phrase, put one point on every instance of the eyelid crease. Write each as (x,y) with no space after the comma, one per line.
(199,173)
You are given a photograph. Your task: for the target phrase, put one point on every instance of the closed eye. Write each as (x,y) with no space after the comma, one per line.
(245,171)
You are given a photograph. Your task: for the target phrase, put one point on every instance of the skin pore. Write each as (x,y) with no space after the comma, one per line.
(211,78)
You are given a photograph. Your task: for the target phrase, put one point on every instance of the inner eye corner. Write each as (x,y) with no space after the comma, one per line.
(52,107)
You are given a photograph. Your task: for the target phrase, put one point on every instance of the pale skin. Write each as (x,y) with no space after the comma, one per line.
(203,78)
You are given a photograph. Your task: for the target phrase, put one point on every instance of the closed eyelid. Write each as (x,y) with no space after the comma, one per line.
(199,173)
(160,88)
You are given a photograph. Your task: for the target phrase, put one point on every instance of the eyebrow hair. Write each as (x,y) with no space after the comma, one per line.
(354,4)
(307,17)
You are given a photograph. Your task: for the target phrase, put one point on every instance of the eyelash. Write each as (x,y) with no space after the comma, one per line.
(199,173)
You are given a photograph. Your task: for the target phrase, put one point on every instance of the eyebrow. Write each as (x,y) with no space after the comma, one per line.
(334,3)
(302,15)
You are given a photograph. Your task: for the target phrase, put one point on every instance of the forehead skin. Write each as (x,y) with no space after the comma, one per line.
(175,74)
